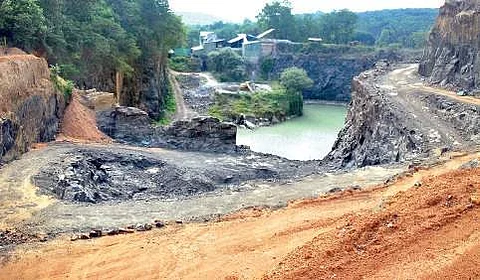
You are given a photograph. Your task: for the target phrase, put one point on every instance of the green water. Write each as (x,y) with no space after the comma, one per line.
(305,138)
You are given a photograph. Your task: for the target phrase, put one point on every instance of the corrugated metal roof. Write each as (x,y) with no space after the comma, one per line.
(265,33)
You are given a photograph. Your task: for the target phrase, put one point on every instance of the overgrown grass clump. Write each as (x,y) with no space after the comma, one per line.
(170,107)
(278,103)
(60,84)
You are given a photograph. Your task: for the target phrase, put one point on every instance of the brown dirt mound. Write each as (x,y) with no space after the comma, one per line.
(419,233)
(79,122)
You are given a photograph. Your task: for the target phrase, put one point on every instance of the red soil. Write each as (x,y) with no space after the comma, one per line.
(79,123)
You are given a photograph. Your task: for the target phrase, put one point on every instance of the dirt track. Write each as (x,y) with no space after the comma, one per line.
(400,230)
(424,226)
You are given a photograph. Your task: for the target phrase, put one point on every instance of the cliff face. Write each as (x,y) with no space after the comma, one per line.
(451,57)
(389,122)
(30,107)
(332,71)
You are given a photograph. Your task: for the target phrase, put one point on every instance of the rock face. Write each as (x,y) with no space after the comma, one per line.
(30,107)
(133,126)
(451,57)
(332,71)
(387,124)
(374,132)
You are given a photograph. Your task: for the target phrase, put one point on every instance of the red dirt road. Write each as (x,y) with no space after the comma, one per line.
(404,232)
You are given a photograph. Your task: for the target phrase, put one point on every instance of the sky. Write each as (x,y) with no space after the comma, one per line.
(237,10)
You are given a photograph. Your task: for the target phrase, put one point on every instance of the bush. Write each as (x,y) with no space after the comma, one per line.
(295,80)
(185,64)
(279,103)
(60,84)
(228,65)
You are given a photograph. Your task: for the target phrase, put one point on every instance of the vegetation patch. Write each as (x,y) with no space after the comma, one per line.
(185,64)
(60,84)
(170,107)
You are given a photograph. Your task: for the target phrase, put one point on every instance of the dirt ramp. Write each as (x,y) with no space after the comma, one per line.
(79,122)
(30,107)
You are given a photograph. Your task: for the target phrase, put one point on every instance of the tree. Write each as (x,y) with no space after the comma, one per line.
(22,23)
(339,26)
(228,64)
(278,15)
(295,79)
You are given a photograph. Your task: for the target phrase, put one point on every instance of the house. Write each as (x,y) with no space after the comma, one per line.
(208,43)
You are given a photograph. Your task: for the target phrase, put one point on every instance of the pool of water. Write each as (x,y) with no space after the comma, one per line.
(308,137)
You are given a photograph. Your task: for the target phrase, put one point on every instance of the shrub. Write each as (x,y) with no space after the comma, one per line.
(295,80)
(60,84)
(228,65)
(185,64)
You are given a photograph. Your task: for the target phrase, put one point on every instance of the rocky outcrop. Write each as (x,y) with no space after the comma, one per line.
(451,57)
(133,126)
(374,132)
(393,124)
(30,107)
(332,70)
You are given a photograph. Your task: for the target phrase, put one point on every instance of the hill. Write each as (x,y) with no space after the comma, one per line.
(190,18)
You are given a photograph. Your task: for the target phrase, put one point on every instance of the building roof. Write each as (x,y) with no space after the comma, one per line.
(315,39)
(197,48)
(265,33)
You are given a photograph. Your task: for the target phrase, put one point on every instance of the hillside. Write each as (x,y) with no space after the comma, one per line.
(190,18)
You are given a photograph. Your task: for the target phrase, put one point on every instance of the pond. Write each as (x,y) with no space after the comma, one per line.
(309,137)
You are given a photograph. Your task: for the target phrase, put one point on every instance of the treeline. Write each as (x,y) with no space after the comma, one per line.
(92,40)
(402,28)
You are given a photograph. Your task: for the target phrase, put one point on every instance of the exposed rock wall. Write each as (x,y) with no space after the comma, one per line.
(387,124)
(332,71)
(30,107)
(374,132)
(133,126)
(147,89)
(451,57)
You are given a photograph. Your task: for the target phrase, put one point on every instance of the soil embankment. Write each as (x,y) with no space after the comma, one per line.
(79,122)
(30,107)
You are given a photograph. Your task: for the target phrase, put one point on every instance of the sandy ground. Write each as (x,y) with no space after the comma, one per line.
(410,232)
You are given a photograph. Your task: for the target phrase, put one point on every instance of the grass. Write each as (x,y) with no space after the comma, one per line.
(278,103)
(169,109)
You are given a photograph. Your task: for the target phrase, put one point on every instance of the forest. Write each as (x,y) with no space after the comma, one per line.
(396,28)
(91,40)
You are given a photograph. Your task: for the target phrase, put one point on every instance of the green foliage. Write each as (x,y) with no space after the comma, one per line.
(228,65)
(266,67)
(22,23)
(170,108)
(338,26)
(279,103)
(93,39)
(295,80)
(185,64)
(60,84)
(406,27)
(278,15)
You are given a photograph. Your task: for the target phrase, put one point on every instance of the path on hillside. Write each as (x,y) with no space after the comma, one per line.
(183,112)
(405,88)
